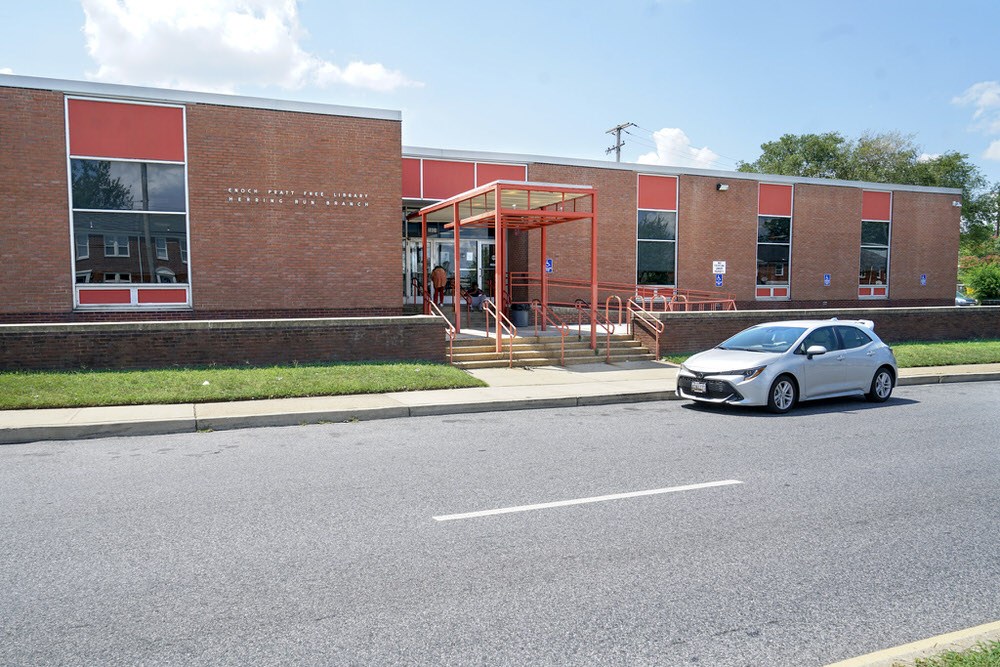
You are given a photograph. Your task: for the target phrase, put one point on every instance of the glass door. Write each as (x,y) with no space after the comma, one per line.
(487,265)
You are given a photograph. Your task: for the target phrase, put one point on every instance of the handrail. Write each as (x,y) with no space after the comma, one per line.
(608,327)
(607,306)
(637,311)
(695,299)
(490,308)
(549,316)
(679,298)
(449,327)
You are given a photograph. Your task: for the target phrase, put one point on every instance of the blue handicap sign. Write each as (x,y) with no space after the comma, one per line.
(826,279)
(923,279)
(548,265)
(718,280)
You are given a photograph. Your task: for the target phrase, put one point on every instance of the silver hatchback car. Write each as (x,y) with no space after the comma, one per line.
(778,364)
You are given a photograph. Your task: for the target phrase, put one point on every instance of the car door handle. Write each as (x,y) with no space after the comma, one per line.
(841,358)
(870,353)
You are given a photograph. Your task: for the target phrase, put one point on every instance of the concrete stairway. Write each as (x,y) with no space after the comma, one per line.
(544,351)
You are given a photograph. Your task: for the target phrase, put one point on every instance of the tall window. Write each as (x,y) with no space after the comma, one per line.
(656,257)
(774,241)
(876,230)
(135,207)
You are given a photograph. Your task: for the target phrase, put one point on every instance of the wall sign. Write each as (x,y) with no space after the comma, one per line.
(278,197)
(826,280)
(719,266)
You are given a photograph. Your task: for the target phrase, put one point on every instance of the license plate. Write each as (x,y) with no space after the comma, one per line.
(699,387)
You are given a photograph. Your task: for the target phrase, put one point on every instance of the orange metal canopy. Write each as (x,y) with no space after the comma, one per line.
(505,205)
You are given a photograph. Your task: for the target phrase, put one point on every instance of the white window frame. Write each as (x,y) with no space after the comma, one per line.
(117,246)
(161,241)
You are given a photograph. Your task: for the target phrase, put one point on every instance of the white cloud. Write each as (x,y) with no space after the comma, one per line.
(6,70)
(927,157)
(993,152)
(674,148)
(214,45)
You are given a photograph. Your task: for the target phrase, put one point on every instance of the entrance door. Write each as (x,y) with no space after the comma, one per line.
(439,253)
(487,265)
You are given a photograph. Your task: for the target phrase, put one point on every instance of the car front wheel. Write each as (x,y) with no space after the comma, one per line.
(783,395)
(881,388)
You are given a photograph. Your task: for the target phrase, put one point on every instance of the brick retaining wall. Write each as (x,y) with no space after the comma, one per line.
(220,342)
(689,332)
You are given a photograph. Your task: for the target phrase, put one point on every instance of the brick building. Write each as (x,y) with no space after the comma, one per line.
(125,203)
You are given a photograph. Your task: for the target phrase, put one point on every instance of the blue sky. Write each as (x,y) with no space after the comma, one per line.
(706,82)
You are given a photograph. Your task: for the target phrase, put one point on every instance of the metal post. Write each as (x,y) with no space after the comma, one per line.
(545,276)
(593,271)
(423,251)
(456,262)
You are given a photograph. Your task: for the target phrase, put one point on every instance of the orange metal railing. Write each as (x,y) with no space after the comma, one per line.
(607,307)
(548,317)
(659,298)
(602,321)
(491,309)
(450,330)
(637,312)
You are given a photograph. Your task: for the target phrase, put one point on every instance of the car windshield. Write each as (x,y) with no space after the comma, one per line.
(767,338)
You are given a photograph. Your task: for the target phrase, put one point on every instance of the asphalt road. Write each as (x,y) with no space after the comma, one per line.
(854,528)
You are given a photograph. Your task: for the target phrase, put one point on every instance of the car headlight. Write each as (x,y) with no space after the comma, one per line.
(748,373)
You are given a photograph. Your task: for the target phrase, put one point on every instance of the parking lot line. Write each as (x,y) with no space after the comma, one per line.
(584,501)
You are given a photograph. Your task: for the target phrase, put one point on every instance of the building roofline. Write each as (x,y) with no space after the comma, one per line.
(483,156)
(146,94)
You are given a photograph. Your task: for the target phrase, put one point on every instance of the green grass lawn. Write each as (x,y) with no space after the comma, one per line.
(914,355)
(199,385)
(982,655)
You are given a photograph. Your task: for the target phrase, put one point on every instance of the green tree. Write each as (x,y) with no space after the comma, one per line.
(94,188)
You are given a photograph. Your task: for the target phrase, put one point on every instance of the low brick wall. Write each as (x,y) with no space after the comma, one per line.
(689,332)
(220,342)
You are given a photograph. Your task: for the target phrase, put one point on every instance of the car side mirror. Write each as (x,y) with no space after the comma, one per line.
(814,350)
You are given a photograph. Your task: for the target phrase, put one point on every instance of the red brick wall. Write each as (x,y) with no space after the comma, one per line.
(714,225)
(226,343)
(826,238)
(287,255)
(34,209)
(925,232)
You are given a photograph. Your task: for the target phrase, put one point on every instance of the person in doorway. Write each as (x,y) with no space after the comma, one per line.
(439,281)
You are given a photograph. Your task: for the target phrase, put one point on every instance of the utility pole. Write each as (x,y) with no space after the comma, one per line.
(617,148)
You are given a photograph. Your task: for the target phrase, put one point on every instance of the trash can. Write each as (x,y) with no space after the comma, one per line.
(520,314)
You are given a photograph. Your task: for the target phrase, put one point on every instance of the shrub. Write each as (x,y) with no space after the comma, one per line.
(984,280)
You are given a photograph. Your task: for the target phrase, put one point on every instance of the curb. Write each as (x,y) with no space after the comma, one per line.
(11,436)
(925,648)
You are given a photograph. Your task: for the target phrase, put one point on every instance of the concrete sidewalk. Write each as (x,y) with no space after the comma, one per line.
(509,389)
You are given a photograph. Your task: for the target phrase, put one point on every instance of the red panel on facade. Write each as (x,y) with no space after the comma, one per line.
(775,200)
(487,173)
(876,205)
(90,297)
(162,296)
(864,291)
(130,131)
(879,291)
(763,291)
(411,177)
(780,291)
(444,179)
(658,192)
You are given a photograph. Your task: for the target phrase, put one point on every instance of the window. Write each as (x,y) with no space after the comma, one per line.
(161,248)
(656,256)
(137,210)
(83,246)
(773,249)
(824,336)
(853,337)
(83,276)
(116,246)
(874,268)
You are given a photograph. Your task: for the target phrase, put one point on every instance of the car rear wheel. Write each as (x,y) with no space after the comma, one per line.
(783,395)
(881,388)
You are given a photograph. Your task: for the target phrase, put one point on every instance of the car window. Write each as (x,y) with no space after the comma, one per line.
(772,338)
(824,336)
(853,337)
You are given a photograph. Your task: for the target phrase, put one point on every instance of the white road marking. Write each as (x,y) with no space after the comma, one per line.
(584,501)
